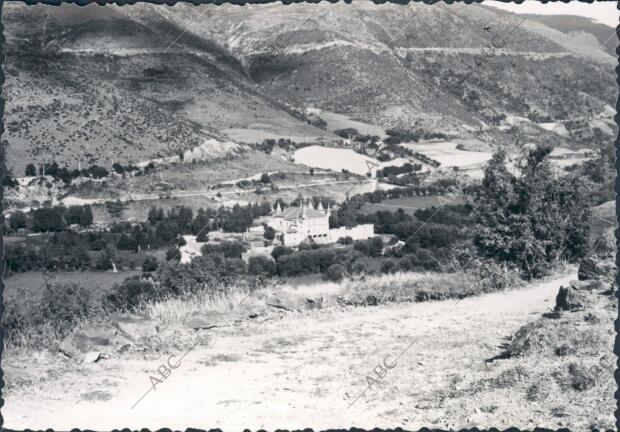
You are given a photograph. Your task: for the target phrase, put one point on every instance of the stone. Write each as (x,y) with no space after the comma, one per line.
(92,357)
(570,299)
(293,301)
(136,326)
(592,268)
(587,285)
(103,338)
(201,320)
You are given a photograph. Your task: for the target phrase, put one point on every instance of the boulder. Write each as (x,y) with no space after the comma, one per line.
(92,357)
(93,337)
(570,299)
(209,319)
(587,285)
(136,326)
(591,268)
(293,301)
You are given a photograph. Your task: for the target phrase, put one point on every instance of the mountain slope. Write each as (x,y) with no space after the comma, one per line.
(101,84)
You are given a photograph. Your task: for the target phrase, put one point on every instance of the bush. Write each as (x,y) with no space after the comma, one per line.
(335,273)
(31,170)
(228,249)
(130,293)
(173,254)
(203,236)
(260,265)
(279,251)
(44,322)
(149,264)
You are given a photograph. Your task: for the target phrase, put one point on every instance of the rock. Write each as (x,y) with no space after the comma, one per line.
(92,357)
(208,319)
(293,301)
(136,326)
(592,268)
(94,337)
(570,299)
(587,285)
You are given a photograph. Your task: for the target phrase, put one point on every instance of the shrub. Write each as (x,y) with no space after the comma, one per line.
(203,236)
(130,293)
(229,249)
(48,319)
(335,273)
(149,264)
(260,265)
(173,253)
(31,170)
(279,251)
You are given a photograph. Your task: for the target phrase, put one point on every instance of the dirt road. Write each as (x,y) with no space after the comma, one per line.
(303,370)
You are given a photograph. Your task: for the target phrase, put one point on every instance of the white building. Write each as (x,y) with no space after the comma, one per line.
(296,225)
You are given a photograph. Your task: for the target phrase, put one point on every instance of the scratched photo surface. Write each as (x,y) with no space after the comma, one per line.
(309,216)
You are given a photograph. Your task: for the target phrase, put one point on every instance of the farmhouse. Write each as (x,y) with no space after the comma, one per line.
(296,225)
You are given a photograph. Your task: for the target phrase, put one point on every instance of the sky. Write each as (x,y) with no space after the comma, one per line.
(605,12)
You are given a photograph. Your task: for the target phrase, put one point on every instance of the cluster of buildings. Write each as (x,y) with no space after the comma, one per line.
(296,225)
(293,226)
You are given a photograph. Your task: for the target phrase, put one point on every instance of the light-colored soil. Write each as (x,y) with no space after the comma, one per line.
(304,370)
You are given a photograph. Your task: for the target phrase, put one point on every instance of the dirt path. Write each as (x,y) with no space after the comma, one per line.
(303,370)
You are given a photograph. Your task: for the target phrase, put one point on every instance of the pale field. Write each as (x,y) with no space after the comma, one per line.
(335,159)
(448,155)
(300,370)
(341,121)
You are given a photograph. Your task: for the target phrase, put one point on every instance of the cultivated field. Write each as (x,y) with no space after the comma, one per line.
(410,204)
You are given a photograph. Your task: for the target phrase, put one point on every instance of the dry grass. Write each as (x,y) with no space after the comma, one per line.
(408,287)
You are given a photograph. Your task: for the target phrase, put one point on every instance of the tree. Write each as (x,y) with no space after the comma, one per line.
(86,216)
(127,243)
(203,236)
(279,251)
(17,220)
(533,218)
(149,264)
(269,233)
(31,170)
(73,214)
(264,178)
(173,254)
(118,168)
(48,219)
(261,265)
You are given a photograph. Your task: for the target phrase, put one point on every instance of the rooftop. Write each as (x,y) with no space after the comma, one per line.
(291,213)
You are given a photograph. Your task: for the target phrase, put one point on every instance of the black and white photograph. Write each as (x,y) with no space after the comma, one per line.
(293,215)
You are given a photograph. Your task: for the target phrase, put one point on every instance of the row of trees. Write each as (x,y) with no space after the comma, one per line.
(51,219)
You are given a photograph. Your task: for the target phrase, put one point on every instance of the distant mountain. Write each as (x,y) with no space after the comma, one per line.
(108,83)
(571,24)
